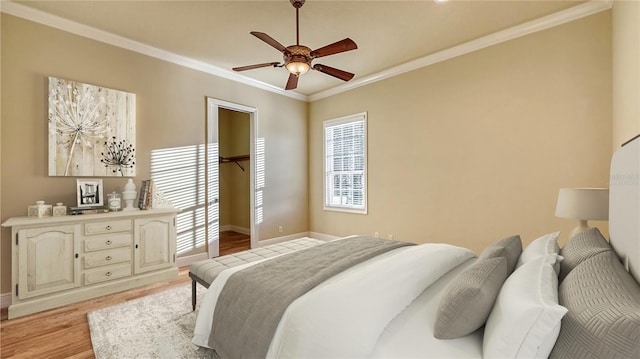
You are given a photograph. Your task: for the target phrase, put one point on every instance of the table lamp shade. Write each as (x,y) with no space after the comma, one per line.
(583,203)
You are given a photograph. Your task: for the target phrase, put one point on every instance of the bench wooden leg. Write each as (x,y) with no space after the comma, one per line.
(193,294)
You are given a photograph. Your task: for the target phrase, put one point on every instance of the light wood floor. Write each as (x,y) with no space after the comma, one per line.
(231,242)
(64,332)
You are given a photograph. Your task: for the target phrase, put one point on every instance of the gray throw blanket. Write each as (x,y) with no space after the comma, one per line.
(253,300)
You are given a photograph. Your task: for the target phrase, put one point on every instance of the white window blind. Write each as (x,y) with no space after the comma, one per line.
(345,168)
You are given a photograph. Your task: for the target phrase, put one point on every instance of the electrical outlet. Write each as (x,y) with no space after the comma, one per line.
(376,234)
(280,229)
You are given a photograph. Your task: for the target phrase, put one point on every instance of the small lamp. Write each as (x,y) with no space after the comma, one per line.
(583,204)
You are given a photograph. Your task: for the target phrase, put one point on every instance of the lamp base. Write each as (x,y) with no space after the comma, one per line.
(579,229)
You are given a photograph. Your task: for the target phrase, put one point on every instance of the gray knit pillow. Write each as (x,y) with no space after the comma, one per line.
(510,248)
(604,311)
(468,299)
(581,247)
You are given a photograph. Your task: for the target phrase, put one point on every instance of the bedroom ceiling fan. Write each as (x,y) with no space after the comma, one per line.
(297,58)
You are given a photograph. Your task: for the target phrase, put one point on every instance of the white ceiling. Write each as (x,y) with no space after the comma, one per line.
(388,33)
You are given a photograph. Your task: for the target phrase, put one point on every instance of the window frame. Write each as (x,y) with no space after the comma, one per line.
(359,117)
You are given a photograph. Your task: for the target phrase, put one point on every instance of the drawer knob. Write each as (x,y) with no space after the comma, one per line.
(108,258)
(108,228)
(108,274)
(108,242)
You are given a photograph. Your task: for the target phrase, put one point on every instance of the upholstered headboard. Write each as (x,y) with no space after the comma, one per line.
(603,300)
(624,205)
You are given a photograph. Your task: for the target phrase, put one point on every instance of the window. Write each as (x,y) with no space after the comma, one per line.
(345,164)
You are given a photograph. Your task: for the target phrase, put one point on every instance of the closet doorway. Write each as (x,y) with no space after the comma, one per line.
(235,204)
(230,177)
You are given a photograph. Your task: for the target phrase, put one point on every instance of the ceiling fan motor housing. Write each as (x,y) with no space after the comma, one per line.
(298,53)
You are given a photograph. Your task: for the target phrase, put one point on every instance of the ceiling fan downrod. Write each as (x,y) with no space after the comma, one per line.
(297,4)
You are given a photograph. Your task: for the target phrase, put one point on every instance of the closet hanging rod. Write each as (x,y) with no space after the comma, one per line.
(234,159)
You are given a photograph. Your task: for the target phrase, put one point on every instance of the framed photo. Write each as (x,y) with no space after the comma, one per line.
(89,192)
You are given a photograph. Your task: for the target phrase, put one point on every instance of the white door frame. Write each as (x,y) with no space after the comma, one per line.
(213,104)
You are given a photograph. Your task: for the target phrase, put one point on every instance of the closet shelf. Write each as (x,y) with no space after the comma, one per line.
(235,159)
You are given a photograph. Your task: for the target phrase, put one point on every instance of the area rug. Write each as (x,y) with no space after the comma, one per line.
(156,326)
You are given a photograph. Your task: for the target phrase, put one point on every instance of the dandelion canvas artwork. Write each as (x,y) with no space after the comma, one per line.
(92,130)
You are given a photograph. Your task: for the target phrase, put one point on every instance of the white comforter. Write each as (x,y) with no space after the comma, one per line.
(345,315)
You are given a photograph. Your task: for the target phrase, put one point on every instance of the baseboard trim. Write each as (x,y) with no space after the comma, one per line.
(315,235)
(323,236)
(234,228)
(187,260)
(5,300)
(275,240)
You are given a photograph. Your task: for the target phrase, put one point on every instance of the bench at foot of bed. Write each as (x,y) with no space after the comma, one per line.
(204,272)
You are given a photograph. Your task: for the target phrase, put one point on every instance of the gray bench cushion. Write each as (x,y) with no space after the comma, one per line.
(208,269)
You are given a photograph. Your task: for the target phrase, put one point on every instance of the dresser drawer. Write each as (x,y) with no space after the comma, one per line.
(107,227)
(107,257)
(107,242)
(107,273)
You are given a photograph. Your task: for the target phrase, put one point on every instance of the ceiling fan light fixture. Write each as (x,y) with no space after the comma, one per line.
(298,67)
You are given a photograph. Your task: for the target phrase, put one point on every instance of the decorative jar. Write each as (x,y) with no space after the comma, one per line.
(129,195)
(39,210)
(114,201)
(59,209)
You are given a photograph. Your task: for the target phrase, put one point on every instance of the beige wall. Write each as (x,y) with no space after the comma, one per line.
(235,184)
(484,140)
(473,149)
(626,71)
(170,113)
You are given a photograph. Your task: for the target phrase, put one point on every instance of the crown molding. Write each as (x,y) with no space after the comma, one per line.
(559,18)
(41,17)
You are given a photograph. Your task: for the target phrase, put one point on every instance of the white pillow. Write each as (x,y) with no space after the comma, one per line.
(525,320)
(541,246)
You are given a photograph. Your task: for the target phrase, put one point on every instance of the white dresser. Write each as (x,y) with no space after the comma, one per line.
(62,260)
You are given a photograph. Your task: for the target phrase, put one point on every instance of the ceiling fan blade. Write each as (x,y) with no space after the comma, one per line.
(342,75)
(292,83)
(269,40)
(256,66)
(335,48)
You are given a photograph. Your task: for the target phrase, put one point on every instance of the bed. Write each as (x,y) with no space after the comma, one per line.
(441,301)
